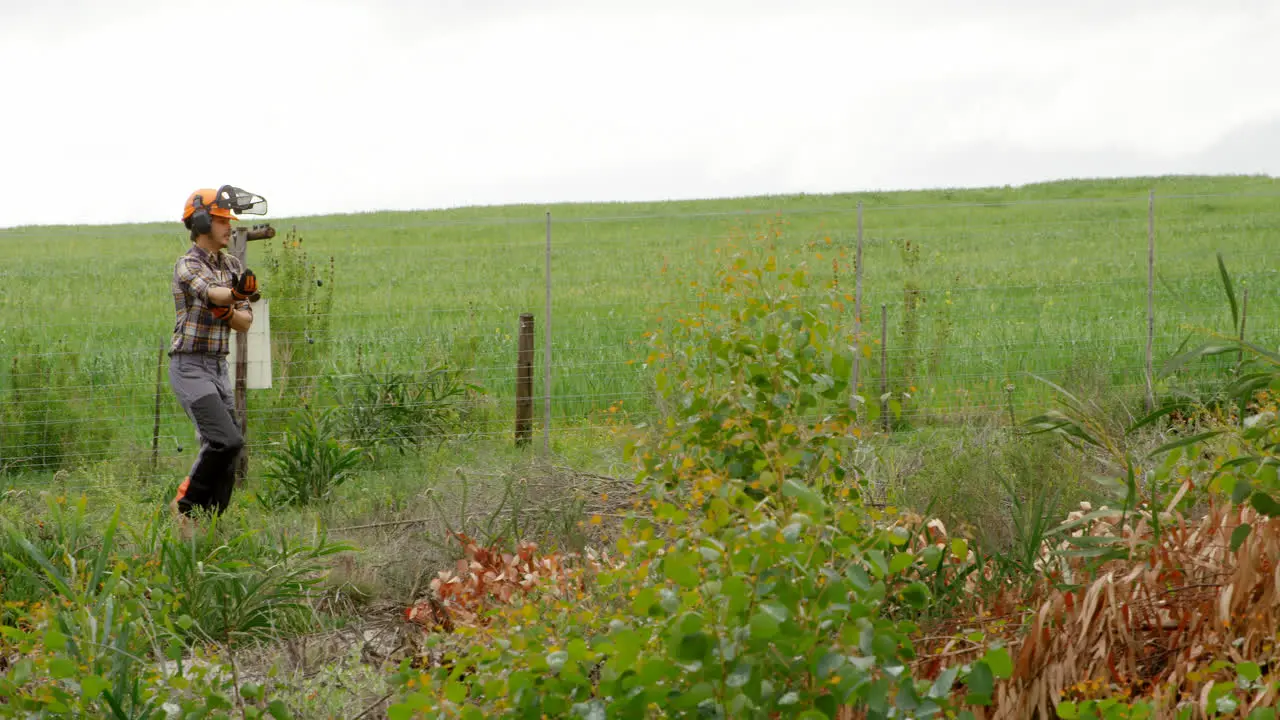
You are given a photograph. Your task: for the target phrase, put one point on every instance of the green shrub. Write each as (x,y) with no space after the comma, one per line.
(237,584)
(123,630)
(759,584)
(995,484)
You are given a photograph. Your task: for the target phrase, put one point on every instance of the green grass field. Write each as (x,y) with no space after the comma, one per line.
(1048,279)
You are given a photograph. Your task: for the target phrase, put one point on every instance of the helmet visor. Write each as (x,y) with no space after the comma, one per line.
(241,202)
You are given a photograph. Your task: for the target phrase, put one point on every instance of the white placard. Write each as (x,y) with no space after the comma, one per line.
(258,370)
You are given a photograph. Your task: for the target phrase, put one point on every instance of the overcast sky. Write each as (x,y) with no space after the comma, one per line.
(114,110)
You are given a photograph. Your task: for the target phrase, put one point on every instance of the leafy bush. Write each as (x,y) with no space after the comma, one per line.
(1000,487)
(310,464)
(126,636)
(236,584)
(758,586)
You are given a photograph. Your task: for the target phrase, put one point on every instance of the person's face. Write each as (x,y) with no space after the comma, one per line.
(221,232)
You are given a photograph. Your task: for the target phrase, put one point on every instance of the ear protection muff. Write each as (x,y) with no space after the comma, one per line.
(200,223)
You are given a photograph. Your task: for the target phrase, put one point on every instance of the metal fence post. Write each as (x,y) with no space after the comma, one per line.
(546,402)
(884,365)
(1151,289)
(857,317)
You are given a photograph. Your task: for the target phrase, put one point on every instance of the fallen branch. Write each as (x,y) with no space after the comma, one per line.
(374,706)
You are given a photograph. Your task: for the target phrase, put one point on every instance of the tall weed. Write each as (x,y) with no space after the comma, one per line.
(301,297)
(400,411)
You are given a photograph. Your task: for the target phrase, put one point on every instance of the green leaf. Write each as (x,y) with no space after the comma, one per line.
(456,692)
(999,661)
(859,578)
(735,590)
(397,712)
(916,595)
(981,682)
(104,551)
(901,562)
(1263,713)
(1265,504)
(1231,293)
(578,649)
(1239,535)
(805,495)
(740,676)
(693,647)
(91,686)
(54,640)
(1159,413)
(1241,490)
(829,663)
(644,601)
(1055,422)
(1067,710)
(593,710)
(681,568)
(879,566)
(776,610)
(1183,442)
(556,660)
(763,625)
(695,695)
(61,668)
(1249,671)
(521,680)
(942,685)
(884,647)
(1207,350)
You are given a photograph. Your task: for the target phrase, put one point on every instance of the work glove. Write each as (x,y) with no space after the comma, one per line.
(245,286)
(220,312)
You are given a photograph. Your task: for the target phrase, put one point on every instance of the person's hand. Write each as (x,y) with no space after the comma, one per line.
(245,286)
(221,313)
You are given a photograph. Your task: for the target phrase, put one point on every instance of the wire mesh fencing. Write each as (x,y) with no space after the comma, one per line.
(418,318)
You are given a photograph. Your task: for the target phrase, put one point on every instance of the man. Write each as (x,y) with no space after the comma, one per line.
(211,291)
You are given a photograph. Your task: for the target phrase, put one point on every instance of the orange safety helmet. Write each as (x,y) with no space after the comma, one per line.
(206,203)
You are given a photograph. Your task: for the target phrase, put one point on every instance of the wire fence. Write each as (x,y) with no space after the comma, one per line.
(980,298)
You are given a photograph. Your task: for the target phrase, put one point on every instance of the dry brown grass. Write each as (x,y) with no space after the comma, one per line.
(1145,627)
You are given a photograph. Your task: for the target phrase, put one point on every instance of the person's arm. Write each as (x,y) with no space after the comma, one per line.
(242,319)
(219,296)
(240,315)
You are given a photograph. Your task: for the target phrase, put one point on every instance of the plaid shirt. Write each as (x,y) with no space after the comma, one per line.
(196,330)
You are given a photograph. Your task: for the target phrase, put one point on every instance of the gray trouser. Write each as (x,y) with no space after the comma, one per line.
(202,386)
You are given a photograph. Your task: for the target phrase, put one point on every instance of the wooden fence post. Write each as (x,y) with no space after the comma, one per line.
(524,381)
(240,238)
(239,248)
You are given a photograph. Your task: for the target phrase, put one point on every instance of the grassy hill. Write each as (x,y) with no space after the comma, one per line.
(981,287)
